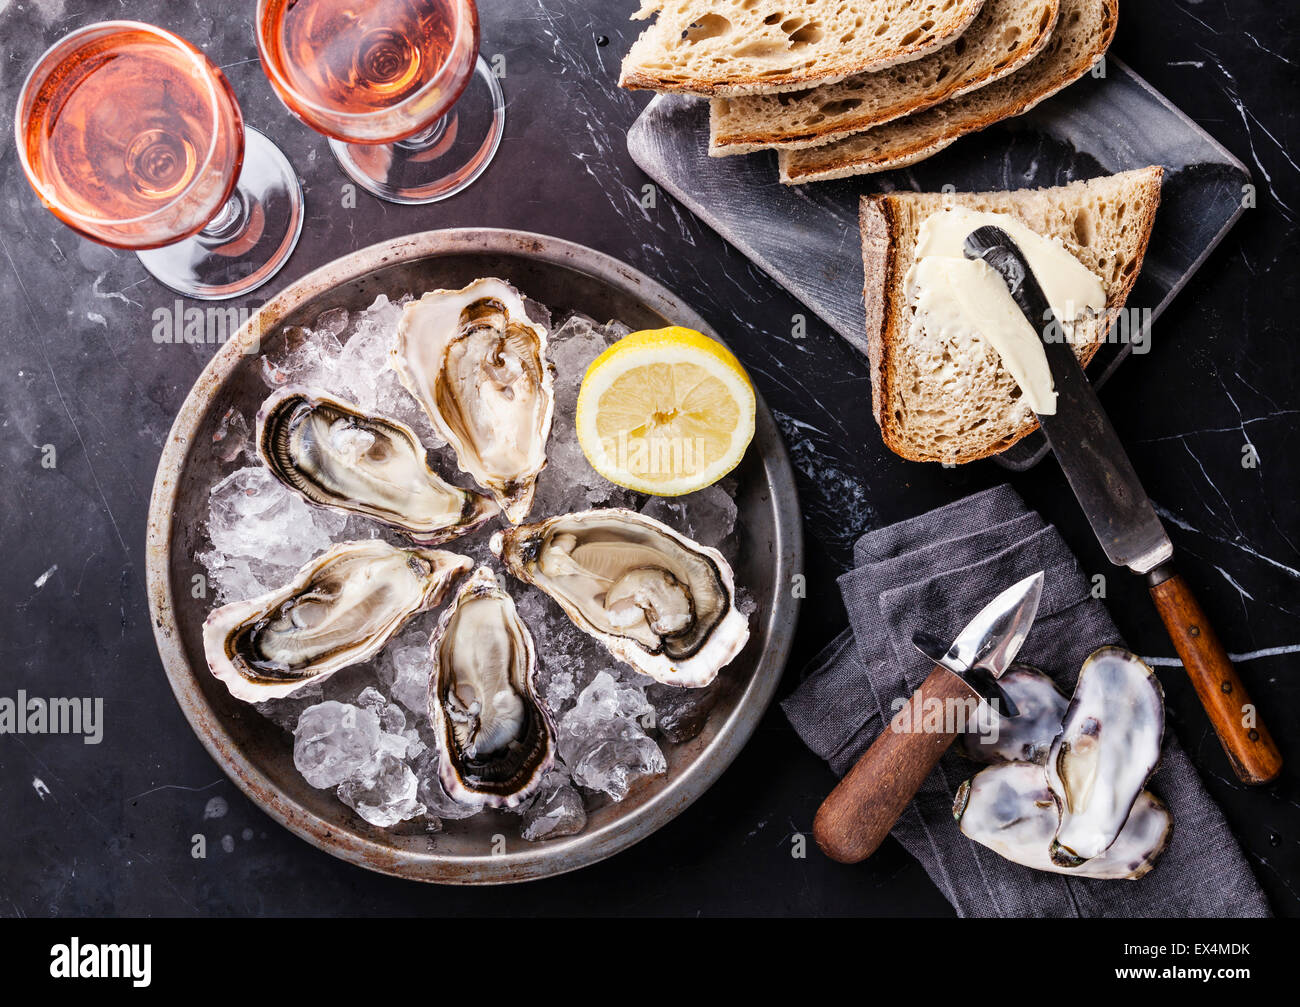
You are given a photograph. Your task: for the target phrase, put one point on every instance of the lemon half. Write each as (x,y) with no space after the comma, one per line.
(665,411)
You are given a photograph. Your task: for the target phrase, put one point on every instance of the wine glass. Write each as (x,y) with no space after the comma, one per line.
(131,137)
(413,113)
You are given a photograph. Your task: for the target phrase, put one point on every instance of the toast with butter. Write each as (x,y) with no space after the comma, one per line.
(949,397)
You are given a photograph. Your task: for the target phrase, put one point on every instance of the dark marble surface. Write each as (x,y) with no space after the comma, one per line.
(107,828)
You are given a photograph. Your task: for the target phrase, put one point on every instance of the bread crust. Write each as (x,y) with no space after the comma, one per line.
(883,266)
(735,86)
(740,141)
(928,144)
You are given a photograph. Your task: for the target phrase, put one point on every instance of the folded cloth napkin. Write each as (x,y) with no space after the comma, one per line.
(934,572)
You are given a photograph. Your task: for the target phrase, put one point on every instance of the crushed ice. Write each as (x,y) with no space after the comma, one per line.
(364,732)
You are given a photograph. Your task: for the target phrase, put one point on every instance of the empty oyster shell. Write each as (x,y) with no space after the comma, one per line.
(1010,809)
(496,740)
(1108,748)
(340,609)
(479,367)
(334,454)
(657,601)
(1026,737)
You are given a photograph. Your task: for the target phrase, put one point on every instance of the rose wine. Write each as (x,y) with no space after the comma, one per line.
(368,71)
(130,136)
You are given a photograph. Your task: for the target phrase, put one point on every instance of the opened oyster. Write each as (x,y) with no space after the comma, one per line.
(479,367)
(1010,809)
(1108,748)
(496,741)
(340,609)
(1026,737)
(333,454)
(658,601)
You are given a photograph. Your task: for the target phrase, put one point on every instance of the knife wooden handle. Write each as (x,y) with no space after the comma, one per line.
(857,816)
(1245,739)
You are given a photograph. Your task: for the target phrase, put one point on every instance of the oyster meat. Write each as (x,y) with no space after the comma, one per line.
(658,601)
(1010,809)
(1108,748)
(496,740)
(479,367)
(334,454)
(340,609)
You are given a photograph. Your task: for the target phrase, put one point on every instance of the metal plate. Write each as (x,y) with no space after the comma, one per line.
(806,237)
(257,755)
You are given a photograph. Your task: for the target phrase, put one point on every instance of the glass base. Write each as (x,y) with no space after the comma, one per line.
(248,241)
(440,161)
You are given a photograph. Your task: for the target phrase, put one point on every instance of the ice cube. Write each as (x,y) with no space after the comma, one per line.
(331,323)
(334,741)
(602,741)
(373,700)
(302,356)
(393,720)
(404,668)
(559,689)
(384,794)
(432,793)
(707,516)
(557,811)
(680,714)
(253,517)
(414,743)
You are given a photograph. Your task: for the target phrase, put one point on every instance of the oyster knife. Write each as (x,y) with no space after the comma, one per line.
(854,820)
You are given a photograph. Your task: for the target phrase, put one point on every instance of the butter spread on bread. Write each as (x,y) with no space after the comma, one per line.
(951,295)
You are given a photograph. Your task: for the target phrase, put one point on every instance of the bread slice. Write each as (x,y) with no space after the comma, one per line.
(1083,33)
(729,47)
(938,401)
(1003,37)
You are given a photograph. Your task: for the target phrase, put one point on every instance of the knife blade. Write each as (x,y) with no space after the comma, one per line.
(990,642)
(1080,433)
(1108,489)
(853,821)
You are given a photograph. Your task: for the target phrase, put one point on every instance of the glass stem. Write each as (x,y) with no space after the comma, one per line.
(425,138)
(229,221)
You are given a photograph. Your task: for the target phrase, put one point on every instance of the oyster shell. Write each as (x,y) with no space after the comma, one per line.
(496,740)
(657,601)
(1108,748)
(340,609)
(478,366)
(1010,809)
(1026,737)
(334,454)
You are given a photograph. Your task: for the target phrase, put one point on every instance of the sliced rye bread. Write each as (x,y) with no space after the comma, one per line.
(1082,35)
(730,47)
(938,401)
(1003,37)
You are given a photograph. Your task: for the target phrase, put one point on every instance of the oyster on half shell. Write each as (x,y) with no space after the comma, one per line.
(479,367)
(340,609)
(1108,748)
(657,600)
(334,454)
(496,740)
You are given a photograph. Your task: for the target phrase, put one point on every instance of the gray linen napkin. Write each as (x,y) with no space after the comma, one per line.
(934,572)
